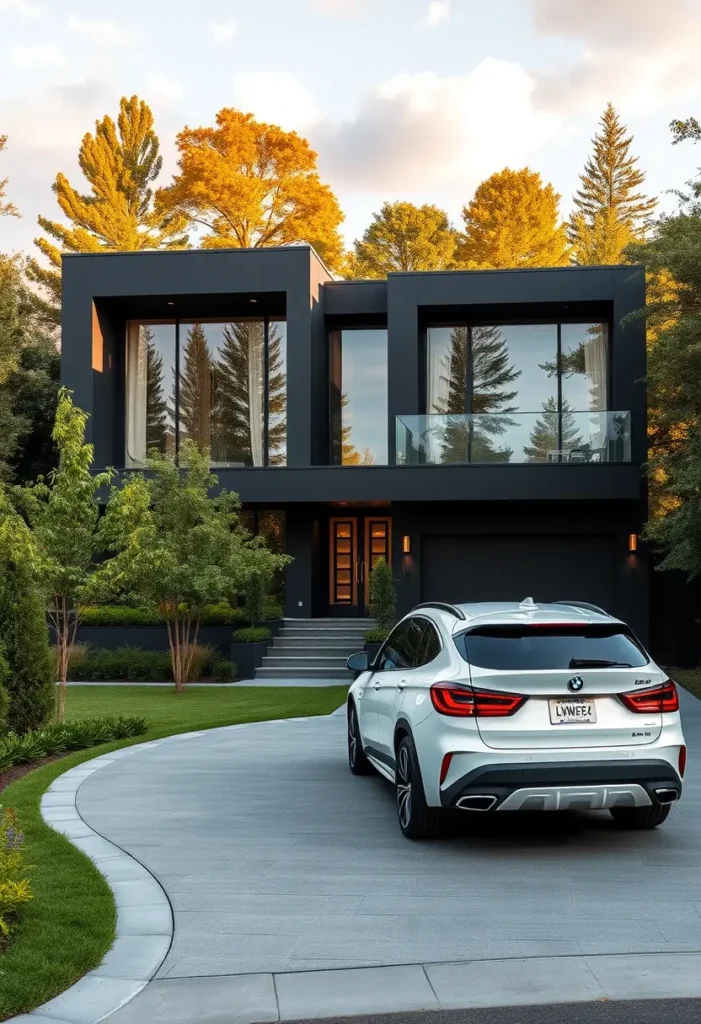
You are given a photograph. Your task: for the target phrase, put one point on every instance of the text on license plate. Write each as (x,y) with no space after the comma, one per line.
(572,712)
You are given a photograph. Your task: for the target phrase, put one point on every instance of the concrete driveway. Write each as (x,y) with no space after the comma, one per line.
(277,861)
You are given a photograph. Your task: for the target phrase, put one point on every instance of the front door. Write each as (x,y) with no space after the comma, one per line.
(356,544)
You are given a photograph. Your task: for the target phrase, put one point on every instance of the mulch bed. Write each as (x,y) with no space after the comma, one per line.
(17,771)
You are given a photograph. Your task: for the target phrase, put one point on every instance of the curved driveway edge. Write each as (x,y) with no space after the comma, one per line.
(144,917)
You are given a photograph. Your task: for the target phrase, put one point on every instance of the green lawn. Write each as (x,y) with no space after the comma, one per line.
(69,925)
(689,678)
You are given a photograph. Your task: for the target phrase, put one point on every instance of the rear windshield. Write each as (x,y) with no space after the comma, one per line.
(513,648)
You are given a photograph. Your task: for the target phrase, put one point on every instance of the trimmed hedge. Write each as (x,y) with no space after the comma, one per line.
(251,635)
(121,615)
(134,665)
(58,738)
(376,636)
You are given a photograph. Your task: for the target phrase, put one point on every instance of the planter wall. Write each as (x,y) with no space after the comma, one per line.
(248,657)
(155,638)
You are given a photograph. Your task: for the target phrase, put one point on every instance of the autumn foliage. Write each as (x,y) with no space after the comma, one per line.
(251,184)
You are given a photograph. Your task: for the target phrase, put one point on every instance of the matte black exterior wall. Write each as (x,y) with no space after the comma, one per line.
(101,292)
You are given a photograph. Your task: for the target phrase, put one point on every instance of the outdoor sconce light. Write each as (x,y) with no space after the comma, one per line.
(406,544)
(632,542)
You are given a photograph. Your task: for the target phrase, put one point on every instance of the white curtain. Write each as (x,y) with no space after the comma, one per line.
(136,385)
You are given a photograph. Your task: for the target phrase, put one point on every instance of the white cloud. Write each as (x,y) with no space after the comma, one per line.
(341,7)
(438,11)
(427,133)
(165,87)
(39,55)
(19,7)
(101,31)
(276,97)
(639,54)
(223,32)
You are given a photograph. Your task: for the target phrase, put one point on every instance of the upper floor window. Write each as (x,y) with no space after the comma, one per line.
(530,390)
(358,397)
(223,384)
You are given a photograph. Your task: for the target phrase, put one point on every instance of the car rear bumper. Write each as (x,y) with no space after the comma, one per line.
(565,785)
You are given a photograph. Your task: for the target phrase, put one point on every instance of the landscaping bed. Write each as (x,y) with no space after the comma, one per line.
(73,909)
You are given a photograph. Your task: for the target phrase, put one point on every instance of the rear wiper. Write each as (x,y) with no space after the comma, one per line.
(597,663)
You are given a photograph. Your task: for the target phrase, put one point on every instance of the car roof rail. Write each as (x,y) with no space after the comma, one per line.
(442,606)
(586,605)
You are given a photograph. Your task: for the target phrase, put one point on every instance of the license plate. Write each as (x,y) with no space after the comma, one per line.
(572,712)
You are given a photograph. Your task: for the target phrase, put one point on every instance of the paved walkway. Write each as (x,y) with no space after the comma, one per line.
(280,866)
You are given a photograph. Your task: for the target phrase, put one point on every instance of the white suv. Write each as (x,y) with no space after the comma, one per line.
(516,707)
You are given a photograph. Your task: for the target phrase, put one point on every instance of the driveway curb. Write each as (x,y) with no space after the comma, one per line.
(144,916)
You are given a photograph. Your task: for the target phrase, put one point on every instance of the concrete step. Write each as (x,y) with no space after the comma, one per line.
(321,631)
(294,649)
(342,675)
(320,641)
(301,665)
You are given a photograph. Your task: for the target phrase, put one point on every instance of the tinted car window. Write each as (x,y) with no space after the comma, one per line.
(403,646)
(431,644)
(514,648)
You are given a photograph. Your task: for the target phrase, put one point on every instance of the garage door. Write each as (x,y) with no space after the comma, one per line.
(509,568)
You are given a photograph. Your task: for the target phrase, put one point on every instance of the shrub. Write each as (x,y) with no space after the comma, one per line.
(222,669)
(383,597)
(63,736)
(256,598)
(221,614)
(134,665)
(24,646)
(251,635)
(376,636)
(15,890)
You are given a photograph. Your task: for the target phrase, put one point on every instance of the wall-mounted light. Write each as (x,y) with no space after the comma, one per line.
(632,542)
(253,300)
(170,303)
(406,544)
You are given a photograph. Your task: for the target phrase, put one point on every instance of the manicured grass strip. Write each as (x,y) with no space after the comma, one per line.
(69,925)
(689,678)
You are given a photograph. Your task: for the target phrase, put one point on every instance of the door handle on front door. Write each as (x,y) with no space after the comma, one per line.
(401,684)
(377,684)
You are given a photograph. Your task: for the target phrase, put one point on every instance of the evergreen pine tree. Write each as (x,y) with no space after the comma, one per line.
(240,375)
(120,163)
(610,211)
(6,207)
(552,432)
(196,391)
(277,399)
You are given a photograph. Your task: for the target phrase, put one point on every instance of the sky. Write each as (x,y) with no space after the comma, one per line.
(402,99)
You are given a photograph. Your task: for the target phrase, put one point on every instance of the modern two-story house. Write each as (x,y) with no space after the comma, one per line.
(483,431)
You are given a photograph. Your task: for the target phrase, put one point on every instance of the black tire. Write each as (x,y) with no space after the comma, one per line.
(357,761)
(416,819)
(640,817)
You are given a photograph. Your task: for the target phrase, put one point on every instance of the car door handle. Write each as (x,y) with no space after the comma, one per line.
(401,684)
(377,684)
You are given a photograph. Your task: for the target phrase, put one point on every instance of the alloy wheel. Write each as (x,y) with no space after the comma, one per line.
(404,787)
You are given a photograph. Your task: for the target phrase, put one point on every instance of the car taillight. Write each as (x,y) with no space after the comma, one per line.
(647,702)
(445,766)
(682,761)
(459,702)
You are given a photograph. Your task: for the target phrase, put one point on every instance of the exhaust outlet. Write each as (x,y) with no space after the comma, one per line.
(666,796)
(476,803)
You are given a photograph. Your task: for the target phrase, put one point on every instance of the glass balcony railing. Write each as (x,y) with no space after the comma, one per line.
(515,438)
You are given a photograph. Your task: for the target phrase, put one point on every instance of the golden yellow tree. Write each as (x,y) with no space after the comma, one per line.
(404,237)
(513,220)
(610,211)
(6,207)
(252,184)
(120,163)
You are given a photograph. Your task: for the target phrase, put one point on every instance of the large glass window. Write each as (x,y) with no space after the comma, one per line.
(358,397)
(516,392)
(150,408)
(227,380)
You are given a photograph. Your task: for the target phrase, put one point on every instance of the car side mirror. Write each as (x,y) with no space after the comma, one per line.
(358,662)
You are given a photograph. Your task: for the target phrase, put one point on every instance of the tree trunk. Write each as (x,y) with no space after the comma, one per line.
(62,626)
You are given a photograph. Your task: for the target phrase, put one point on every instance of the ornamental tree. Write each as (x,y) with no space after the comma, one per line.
(383,596)
(178,546)
(63,511)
